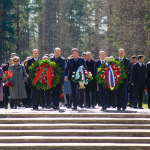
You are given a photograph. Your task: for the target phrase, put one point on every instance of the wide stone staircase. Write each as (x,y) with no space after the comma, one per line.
(75,131)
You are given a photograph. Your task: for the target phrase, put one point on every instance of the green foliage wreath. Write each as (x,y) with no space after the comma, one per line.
(55,78)
(118,70)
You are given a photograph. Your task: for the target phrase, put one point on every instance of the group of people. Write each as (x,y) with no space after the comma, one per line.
(130,92)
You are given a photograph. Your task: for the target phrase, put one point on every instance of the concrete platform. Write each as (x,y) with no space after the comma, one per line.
(66,129)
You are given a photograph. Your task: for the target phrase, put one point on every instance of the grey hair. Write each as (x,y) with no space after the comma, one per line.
(121,49)
(16,58)
(88,53)
(57,48)
(102,52)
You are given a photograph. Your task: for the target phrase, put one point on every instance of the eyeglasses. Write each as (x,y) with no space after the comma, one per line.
(15,61)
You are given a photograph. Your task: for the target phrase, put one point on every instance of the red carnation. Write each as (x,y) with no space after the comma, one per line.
(62,95)
(9,84)
(120,78)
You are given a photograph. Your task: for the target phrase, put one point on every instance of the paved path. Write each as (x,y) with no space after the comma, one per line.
(80,110)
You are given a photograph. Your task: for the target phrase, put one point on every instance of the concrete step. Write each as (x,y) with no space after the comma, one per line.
(74,139)
(73,115)
(78,132)
(76,120)
(74,131)
(40,126)
(74,146)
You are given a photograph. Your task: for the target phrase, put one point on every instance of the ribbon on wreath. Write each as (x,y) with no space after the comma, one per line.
(110,77)
(40,72)
(80,69)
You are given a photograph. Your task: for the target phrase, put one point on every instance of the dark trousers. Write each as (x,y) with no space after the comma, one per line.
(98,99)
(137,96)
(112,98)
(36,94)
(122,94)
(148,92)
(28,91)
(42,102)
(131,94)
(74,95)
(47,95)
(90,101)
(103,95)
(56,92)
(6,95)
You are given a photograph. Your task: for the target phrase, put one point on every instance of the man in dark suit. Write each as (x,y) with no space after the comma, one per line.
(138,80)
(35,94)
(91,86)
(130,87)
(57,91)
(148,82)
(72,66)
(122,91)
(103,92)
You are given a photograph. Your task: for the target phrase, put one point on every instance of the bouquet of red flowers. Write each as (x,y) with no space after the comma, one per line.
(7,75)
(8,84)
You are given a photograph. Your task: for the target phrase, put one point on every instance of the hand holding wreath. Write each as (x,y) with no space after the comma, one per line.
(111,74)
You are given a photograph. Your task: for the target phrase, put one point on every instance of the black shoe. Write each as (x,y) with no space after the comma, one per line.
(130,105)
(47,107)
(27,106)
(74,108)
(140,108)
(124,107)
(53,106)
(135,107)
(104,107)
(57,108)
(93,106)
(69,106)
(35,108)
(118,108)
